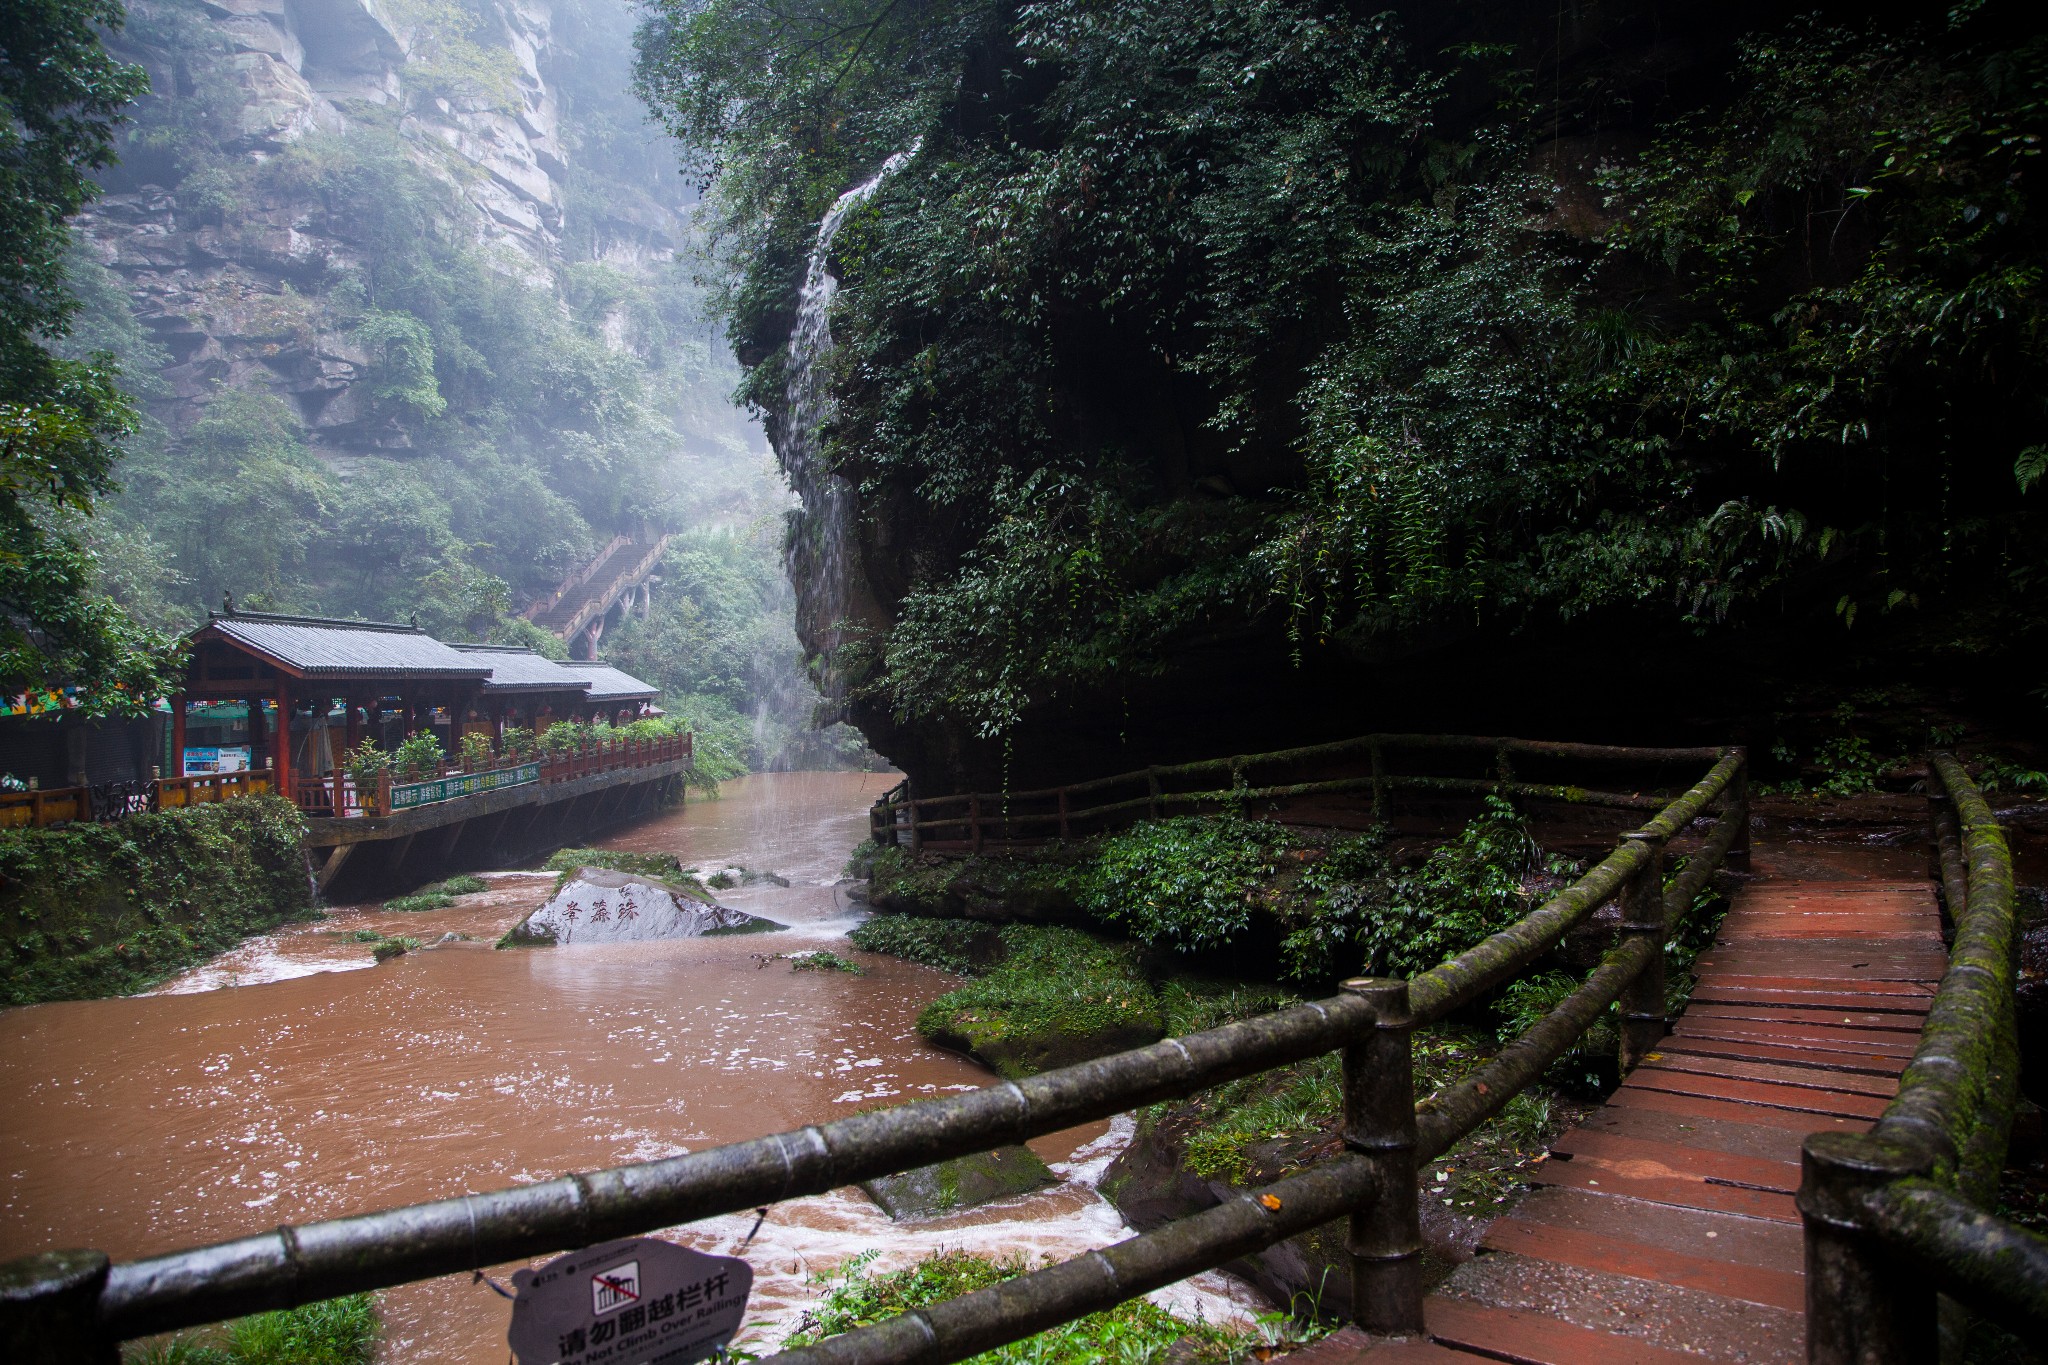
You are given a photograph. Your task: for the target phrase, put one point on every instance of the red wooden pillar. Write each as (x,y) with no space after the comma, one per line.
(177,768)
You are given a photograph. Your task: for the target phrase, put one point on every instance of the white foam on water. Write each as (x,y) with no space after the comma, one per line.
(804,1242)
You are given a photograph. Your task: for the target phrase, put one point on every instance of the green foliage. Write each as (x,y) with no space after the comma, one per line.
(1247,1132)
(720,642)
(1051,984)
(62,420)
(365,762)
(1189,883)
(2000,774)
(1135,1332)
(824,960)
(948,944)
(419,758)
(336,1332)
(464,885)
(397,945)
(1401,923)
(475,754)
(420,900)
(89,910)
(660,866)
(1388,359)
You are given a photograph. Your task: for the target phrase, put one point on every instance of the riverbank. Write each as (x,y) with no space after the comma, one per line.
(90,910)
(294,1078)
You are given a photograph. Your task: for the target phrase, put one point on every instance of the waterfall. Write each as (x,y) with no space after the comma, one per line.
(825,564)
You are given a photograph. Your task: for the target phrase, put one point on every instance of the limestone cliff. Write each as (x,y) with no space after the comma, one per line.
(227,279)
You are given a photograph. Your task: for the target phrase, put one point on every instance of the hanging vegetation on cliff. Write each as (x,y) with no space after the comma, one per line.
(1270,321)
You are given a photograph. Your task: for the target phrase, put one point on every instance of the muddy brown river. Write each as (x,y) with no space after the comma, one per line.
(293,1080)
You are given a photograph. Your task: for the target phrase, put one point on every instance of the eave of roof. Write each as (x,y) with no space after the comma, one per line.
(611,683)
(321,647)
(523,670)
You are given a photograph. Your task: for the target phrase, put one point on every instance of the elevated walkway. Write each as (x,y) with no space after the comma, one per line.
(581,603)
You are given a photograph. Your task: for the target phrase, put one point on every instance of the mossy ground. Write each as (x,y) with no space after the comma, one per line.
(94,910)
(1265,1127)
(1056,997)
(337,1332)
(1137,1332)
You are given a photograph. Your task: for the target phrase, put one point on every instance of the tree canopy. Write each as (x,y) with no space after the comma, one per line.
(62,420)
(1322,328)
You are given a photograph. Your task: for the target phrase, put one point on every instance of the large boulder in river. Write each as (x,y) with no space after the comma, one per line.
(593,905)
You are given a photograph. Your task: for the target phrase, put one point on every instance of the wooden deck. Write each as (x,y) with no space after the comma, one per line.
(1664,1228)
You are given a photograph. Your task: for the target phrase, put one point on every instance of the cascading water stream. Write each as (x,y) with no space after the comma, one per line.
(825,563)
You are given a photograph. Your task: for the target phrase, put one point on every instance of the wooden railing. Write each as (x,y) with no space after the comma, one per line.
(337,794)
(543,605)
(1380,764)
(108,801)
(1905,1212)
(601,600)
(79,1300)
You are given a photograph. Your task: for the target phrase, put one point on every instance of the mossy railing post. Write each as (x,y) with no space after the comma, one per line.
(1063,813)
(1865,1305)
(916,818)
(1152,793)
(1379,784)
(1736,802)
(49,1310)
(1643,1018)
(1384,1243)
(974,821)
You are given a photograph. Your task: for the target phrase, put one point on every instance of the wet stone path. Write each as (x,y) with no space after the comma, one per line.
(1663,1228)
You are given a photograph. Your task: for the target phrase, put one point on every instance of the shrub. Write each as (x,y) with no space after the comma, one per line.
(419,758)
(517,744)
(464,885)
(1401,923)
(475,754)
(364,762)
(1191,882)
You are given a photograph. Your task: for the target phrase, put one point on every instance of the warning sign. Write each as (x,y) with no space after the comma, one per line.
(635,1302)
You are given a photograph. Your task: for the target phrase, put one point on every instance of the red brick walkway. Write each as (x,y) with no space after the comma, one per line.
(1664,1229)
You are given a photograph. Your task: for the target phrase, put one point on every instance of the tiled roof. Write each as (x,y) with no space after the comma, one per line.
(516,669)
(318,647)
(611,684)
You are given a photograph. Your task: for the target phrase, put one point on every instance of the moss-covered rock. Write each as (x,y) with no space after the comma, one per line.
(92,910)
(962,1183)
(1057,997)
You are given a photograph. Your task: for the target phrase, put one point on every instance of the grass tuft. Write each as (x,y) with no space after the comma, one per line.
(337,1332)
(1136,1332)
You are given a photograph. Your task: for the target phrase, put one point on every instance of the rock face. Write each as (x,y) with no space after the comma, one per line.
(961,1183)
(596,906)
(229,288)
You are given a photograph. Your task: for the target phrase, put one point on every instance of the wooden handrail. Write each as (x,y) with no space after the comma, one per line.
(109,801)
(975,817)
